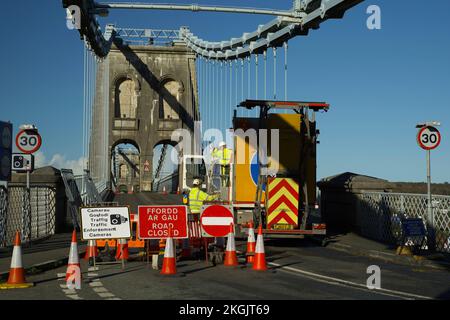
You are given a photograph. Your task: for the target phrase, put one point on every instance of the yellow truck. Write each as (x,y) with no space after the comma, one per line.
(273,171)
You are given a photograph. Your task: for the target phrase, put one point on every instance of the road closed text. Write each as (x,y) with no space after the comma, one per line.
(156,221)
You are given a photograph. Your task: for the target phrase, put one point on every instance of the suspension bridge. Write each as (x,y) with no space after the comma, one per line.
(221,74)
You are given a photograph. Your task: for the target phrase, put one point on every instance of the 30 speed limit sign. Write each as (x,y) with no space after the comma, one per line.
(28,141)
(428,138)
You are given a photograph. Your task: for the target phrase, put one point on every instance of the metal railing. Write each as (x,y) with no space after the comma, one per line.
(378,216)
(35,219)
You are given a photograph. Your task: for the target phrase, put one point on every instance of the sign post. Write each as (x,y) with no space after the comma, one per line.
(28,141)
(428,139)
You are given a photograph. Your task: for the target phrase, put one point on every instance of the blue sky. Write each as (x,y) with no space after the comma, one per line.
(379,83)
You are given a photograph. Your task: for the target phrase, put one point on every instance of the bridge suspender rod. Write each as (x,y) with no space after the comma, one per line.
(84,110)
(274,73)
(249,61)
(256,76)
(231,84)
(285,71)
(236,83)
(265,75)
(242,79)
(196,8)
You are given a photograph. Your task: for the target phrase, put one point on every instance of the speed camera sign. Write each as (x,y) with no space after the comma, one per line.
(28,141)
(428,138)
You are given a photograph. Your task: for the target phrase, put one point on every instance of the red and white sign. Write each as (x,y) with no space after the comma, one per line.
(146,166)
(216,219)
(429,138)
(155,222)
(28,141)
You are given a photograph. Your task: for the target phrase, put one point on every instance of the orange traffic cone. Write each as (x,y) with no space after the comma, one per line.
(122,250)
(178,190)
(169,263)
(16,277)
(259,263)
(74,259)
(91,250)
(164,190)
(230,253)
(251,244)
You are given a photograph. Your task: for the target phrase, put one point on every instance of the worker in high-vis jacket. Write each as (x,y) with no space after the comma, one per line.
(224,156)
(197,196)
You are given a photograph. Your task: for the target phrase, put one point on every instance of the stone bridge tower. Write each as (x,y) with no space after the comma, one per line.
(143,94)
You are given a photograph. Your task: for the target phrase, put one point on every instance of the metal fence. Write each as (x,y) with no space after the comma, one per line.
(33,216)
(378,216)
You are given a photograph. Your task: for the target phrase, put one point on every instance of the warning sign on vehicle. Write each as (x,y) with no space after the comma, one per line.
(105,223)
(155,222)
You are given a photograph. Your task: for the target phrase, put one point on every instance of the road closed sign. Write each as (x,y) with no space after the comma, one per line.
(155,222)
(105,223)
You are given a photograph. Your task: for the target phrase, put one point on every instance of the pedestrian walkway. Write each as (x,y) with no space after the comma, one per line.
(358,245)
(41,255)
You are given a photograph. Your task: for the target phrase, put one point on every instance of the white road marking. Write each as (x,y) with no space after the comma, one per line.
(96,284)
(334,281)
(70,293)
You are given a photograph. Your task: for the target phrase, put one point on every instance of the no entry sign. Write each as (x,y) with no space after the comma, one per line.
(216,219)
(155,221)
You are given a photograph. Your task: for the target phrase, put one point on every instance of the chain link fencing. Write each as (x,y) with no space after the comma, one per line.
(34,215)
(379,215)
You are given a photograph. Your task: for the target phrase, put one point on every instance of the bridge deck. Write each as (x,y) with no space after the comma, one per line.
(147,198)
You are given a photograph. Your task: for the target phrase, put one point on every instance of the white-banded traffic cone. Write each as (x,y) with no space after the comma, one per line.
(16,278)
(164,190)
(74,259)
(259,263)
(251,244)
(230,253)
(91,250)
(169,262)
(122,250)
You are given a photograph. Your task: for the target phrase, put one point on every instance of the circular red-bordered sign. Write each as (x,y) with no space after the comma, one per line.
(28,141)
(428,138)
(216,219)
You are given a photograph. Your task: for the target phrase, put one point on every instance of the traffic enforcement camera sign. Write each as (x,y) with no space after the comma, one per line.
(22,162)
(155,222)
(105,223)
(428,138)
